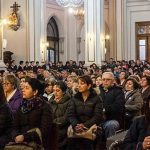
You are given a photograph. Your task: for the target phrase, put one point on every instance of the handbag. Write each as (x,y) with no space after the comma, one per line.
(25,145)
(89,134)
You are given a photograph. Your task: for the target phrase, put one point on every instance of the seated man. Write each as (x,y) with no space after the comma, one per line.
(113,103)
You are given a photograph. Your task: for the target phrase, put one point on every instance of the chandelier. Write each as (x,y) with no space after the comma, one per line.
(79,13)
(70,3)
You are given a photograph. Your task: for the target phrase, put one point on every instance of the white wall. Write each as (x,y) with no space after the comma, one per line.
(25,42)
(69,29)
(82,45)
(16,40)
(134,11)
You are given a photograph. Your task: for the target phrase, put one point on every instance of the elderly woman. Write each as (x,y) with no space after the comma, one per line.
(34,113)
(59,103)
(84,111)
(12,93)
(133,101)
(72,85)
(5,119)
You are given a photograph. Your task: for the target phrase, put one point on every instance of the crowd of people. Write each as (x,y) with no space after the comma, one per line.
(74,107)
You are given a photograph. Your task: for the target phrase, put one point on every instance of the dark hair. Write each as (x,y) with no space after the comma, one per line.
(135,83)
(21,62)
(117,80)
(35,85)
(126,74)
(62,85)
(86,79)
(99,76)
(2,94)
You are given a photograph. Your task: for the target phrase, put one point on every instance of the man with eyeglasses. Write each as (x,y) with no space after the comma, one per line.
(113,103)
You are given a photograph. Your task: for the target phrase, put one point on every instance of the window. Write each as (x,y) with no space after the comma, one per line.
(142,49)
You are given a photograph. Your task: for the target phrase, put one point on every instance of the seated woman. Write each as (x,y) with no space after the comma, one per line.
(12,93)
(22,81)
(34,112)
(5,119)
(85,110)
(133,101)
(59,103)
(72,85)
(138,136)
(48,91)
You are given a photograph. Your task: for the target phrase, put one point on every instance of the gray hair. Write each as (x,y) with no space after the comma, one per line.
(109,73)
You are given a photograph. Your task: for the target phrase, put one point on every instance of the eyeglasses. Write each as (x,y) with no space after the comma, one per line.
(6,83)
(105,79)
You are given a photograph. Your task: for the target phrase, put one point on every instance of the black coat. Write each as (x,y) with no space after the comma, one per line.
(60,117)
(40,116)
(88,112)
(6,120)
(136,134)
(113,101)
(145,94)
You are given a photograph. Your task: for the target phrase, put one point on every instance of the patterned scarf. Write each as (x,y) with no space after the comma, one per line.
(31,104)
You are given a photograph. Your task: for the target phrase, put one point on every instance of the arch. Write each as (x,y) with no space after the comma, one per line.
(53,40)
(59,24)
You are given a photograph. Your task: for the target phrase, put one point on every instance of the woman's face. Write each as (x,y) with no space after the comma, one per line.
(122,75)
(49,89)
(82,86)
(22,83)
(69,83)
(98,81)
(129,85)
(58,93)
(8,87)
(28,92)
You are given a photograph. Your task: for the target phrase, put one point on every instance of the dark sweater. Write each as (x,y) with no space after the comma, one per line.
(35,113)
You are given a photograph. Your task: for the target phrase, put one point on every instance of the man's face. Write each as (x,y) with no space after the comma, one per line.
(107,80)
(122,75)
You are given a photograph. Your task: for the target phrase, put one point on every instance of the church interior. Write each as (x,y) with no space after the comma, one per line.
(75,74)
(86,30)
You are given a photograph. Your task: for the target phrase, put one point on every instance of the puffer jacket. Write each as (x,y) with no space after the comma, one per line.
(88,112)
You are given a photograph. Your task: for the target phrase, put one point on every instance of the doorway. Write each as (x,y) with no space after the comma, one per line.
(143,41)
(53,40)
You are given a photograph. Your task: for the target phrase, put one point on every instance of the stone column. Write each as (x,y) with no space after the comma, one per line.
(94,32)
(119,29)
(34,29)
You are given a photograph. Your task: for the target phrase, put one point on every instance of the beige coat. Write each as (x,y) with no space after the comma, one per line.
(134,103)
